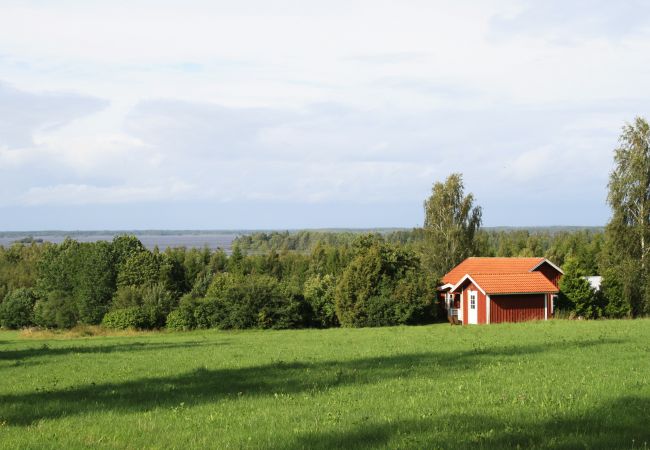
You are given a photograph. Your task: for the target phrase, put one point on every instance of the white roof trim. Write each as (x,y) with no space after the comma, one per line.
(467,277)
(550,263)
(445,286)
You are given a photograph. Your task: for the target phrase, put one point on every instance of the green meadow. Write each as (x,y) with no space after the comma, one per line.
(556,384)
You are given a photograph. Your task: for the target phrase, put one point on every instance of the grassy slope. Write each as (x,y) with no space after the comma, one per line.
(555,384)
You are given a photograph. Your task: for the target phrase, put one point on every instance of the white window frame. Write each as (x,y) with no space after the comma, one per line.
(473,299)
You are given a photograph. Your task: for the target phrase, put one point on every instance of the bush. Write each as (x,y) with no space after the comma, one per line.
(57,310)
(17,309)
(153,301)
(122,319)
(577,295)
(413,299)
(319,294)
(178,320)
(157,303)
(252,301)
(127,297)
(383,285)
(184,317)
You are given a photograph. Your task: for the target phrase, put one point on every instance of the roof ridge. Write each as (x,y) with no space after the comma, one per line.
(523,272)
(527,273)
(505,257)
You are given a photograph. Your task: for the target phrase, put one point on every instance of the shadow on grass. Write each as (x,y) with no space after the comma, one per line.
(202,385)
(622,423)
(46,350)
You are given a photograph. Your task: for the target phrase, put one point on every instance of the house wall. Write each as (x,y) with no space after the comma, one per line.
(480,303)
(550,273)
(554,277)
(516,308)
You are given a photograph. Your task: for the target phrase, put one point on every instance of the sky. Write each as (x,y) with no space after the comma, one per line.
(262,114)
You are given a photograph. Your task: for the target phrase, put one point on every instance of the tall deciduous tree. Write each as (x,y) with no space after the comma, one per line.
(451,223)
(628,232)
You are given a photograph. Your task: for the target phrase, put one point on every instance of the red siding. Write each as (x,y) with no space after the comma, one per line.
(516,308)
(480,303)
(549,272)
(554,277)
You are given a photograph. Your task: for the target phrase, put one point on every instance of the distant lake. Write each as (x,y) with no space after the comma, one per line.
(212,241)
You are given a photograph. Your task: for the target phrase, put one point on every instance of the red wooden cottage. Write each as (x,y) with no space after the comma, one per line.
(493,290)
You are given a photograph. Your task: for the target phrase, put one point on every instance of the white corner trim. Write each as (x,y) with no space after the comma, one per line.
(487,309)
(546,307)
(549,263)
(445,286)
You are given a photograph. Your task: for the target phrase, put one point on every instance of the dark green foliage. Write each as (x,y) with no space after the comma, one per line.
(17,309)
(122,319)
(413,298)
(577,295)
(235,262)
(329,260)
(95,282)
(383,285)
(320,295)
(626,259)
(378,276)
(83,273)
(153,301)
(218,262)
(253,301)
(618,288)
(157,303)
(124,247)
(201,284)
(177,320)
(56,310)
(191,313)
(140,269)
(18,266)
(451,222)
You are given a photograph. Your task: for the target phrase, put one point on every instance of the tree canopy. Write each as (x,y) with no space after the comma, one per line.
(626,264)
(451,223)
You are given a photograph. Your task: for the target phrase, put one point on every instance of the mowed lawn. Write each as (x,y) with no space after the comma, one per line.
(558,384)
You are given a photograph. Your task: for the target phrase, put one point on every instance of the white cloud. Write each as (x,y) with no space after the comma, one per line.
(22,114)
(314,102)
(81,194)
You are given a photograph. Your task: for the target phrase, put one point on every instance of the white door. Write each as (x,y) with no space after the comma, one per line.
(472,307)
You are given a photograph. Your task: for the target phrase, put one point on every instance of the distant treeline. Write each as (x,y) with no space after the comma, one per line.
(306,240)
(554,243)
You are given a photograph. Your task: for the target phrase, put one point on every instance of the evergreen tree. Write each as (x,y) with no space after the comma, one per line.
(576,294)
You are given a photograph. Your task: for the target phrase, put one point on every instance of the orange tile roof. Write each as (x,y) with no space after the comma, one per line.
(476,265)
(513,283)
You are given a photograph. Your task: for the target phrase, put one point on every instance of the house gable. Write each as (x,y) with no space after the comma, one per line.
(552,272)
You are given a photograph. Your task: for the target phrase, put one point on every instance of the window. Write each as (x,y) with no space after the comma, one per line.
(472,300)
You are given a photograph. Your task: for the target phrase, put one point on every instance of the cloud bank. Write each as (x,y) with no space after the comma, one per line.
(285,115)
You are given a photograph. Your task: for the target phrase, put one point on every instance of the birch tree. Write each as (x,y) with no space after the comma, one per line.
(626,265)
(451,222)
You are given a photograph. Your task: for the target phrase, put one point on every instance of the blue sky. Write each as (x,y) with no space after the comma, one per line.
(293,114)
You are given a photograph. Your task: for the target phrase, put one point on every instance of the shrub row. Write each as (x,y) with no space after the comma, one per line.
(381,284)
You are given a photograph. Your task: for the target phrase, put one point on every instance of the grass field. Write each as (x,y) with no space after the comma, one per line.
(556,384)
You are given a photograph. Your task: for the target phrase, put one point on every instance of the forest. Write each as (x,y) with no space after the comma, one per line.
(291,280)
(328,279)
